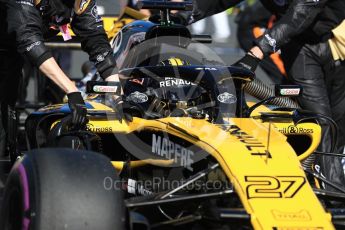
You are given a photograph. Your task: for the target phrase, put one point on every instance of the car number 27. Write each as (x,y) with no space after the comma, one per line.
(273,186)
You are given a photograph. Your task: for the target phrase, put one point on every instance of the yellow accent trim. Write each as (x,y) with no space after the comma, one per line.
(80,6)
(172,62)
(179,61)
(135,14)
(111,26)
(99,107)
(312,130)
(317,183)
(118,165)
(135,164)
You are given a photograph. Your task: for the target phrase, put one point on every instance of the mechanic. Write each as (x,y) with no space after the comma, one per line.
(24,26)
(304,33)
(252,21)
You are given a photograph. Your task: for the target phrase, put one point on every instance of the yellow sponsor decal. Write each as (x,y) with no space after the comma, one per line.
(302,215)
(98,129)
(254,146)
(292,129)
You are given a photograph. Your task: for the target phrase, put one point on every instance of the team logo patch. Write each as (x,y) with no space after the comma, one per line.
(227,98)
(117,42)
(138,97)
(95,14)
(101,57)
(30,47)
(272,42)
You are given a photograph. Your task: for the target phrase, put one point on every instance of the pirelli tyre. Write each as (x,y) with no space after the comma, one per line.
(61,189)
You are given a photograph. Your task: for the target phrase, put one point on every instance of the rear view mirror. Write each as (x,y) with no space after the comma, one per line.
(288,90)
(102,87)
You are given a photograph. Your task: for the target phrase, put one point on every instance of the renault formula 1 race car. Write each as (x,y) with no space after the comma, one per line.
(190,152)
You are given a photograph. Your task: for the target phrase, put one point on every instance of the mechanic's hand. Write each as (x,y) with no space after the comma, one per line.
(113,77)
(120,109)
(78,110)
(249,62)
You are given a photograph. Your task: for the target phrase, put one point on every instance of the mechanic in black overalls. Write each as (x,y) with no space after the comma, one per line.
(302,33)
(25,24)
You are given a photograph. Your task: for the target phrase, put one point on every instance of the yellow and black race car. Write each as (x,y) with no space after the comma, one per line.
(190,153)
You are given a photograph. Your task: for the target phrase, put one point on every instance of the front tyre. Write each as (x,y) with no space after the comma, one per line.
(62,189)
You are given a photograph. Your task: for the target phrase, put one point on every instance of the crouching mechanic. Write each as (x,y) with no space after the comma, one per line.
(25,24)
(304,32)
